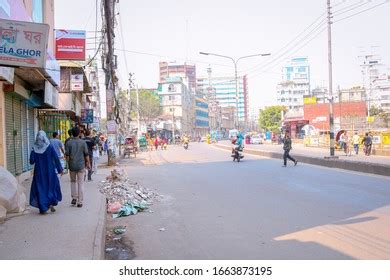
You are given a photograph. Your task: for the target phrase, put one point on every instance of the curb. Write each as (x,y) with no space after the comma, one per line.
(364,167)
(99,241)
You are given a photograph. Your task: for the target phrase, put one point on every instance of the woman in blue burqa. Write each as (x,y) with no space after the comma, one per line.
(45,188)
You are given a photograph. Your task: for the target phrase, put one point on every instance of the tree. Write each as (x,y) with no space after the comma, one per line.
(270,118)
(149,105)
(375,111)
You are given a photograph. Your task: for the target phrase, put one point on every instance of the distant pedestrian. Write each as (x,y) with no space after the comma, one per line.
(77,156)
(356,142)
(105,147)
(287,146)
(45,188)
(91,147)
(58,147)
(367,141)
(156,142)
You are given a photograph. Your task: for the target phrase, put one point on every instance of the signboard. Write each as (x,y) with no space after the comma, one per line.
(23,44)
(87,116)
(309,100)
(111,127)
(51,95)
(386,138)
(370,119)
(376,139)
(70,44)
(77,82)
(7,74)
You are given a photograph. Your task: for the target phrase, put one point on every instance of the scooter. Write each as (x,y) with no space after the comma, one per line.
(237,153)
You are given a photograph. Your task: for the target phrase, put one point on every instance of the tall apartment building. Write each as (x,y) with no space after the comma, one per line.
(172,69)
(376,80)
(223,90)
(294,85)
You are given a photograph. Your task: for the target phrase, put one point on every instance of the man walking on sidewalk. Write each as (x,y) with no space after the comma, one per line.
(78,158)
(91,146)
(287,147)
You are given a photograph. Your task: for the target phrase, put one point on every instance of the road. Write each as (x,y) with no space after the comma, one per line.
(213,208)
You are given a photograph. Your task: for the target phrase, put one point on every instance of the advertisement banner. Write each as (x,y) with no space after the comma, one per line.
(23,44)
(111,127)
(70,44)
(87,116)
(76,82)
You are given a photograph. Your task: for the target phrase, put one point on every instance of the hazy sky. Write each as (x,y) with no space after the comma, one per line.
(176,30)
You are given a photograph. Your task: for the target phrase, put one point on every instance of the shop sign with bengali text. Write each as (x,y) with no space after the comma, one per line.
(309,100)
(70,44)
(23,44)
(77,82)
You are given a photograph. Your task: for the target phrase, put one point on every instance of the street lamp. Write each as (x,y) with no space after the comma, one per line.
(235,61)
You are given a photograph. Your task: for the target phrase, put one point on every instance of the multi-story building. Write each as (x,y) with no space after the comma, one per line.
(294,85)
(177,106)
(223,90)
(201,116)
(29,83)
(173,69)
(376,80)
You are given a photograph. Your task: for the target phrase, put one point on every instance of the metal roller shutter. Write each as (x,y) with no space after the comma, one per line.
(31,131)
(24,137)
(9,132)
(18,136)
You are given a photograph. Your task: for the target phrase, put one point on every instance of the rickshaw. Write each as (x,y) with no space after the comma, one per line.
(130,147)
(143,144)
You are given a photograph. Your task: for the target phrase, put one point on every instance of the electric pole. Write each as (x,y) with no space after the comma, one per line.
(109,69)
(331,116)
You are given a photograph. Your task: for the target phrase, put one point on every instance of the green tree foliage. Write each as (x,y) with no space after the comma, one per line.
(375,111)
(149,105)
(270,118)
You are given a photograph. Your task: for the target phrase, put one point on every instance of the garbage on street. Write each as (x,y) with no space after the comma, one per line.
(125,197)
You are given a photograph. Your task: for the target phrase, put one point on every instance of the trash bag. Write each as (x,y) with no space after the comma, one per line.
(113,207)
(12,197)
(3,214)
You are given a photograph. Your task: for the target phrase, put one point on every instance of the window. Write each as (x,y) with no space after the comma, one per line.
(171,97)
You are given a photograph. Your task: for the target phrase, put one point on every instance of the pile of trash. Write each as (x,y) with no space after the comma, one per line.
(125,197)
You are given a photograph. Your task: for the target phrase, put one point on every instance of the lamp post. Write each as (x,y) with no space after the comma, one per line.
(235,61)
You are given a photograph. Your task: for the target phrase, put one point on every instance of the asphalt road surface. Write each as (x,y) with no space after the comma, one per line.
(214,208)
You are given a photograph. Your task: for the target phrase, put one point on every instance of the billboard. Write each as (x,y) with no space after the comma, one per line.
(23,44)
(70,44)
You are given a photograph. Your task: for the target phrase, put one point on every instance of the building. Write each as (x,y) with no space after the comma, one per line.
(223,91)
(177,106)
(295,84)
(29,83)
(172,69)
(320,95)
(201,116)
(376,81)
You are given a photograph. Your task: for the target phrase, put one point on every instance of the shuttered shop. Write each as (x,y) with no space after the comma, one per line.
(18,133)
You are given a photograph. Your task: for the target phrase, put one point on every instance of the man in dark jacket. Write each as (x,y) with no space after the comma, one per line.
(287,147)
(91,146)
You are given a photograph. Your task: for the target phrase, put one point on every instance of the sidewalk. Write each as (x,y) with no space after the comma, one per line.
(69,233)
(379,165)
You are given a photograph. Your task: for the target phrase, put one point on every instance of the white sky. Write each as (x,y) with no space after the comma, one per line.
(179,29)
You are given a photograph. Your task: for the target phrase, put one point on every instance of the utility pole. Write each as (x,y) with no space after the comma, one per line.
(331,116)
(138,114)
(109,66)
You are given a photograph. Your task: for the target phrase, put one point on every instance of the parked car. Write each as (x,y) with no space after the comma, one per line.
(256,140)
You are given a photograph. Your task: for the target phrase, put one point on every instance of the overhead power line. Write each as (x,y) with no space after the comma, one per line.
(363,11)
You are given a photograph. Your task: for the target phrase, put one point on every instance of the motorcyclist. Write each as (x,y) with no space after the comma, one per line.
(185,140)
(239,141)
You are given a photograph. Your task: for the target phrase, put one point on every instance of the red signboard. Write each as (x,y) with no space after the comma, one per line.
(70,44)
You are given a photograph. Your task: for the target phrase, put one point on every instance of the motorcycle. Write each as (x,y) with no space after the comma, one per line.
(237,153)
(185,146)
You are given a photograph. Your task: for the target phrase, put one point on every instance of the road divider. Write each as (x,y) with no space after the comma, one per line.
(365,167)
